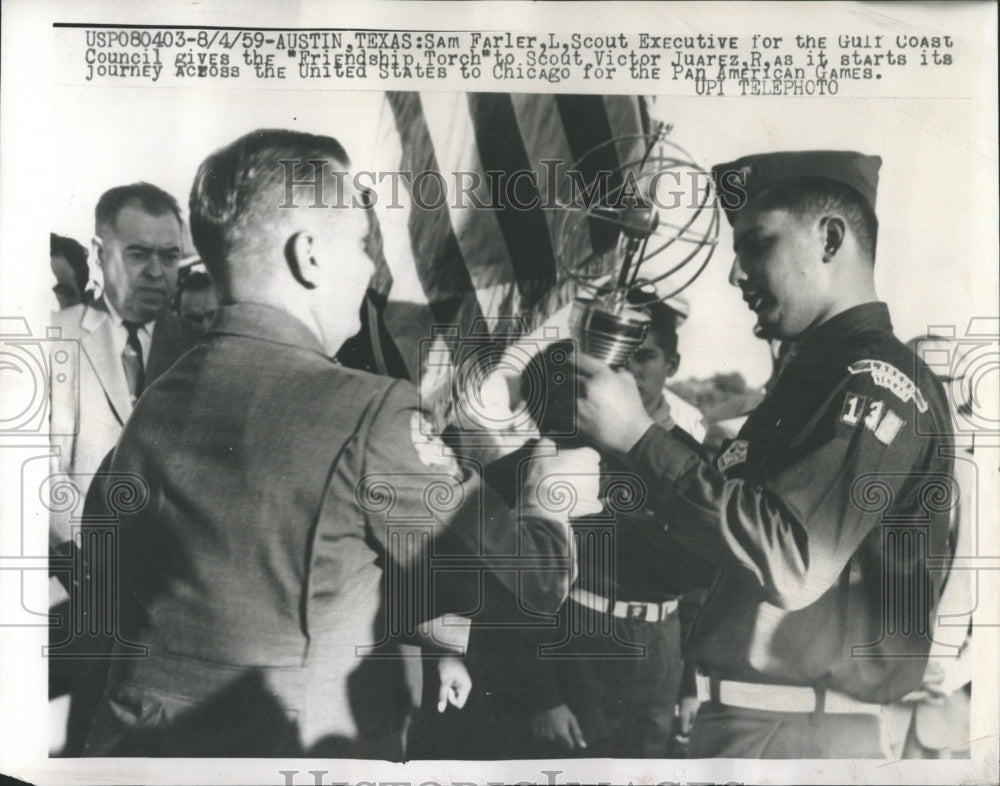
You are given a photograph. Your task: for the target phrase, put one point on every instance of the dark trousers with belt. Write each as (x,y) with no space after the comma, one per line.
(620,680)
(623,688)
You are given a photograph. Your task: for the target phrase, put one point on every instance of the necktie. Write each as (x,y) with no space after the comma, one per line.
(132,360)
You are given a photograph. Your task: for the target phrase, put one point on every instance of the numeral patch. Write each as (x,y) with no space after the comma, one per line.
(874,414)
(886,431)
(878,418)
(854,408)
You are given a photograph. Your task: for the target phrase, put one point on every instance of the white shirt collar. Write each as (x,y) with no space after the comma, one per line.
(120,332)
(661,413)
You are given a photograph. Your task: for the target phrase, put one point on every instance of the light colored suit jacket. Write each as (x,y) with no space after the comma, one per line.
(90,403)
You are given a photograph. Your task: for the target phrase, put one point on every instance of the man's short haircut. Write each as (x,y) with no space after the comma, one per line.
(663,327)
(75,254)
(196,281)
(239,189)
(815,196)
(151,199)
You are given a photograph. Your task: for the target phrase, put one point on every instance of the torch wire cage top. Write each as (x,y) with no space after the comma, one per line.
(642,230)
(637,221)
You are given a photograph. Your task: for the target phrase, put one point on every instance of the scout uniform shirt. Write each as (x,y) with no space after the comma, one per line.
(269,540)
(820,517)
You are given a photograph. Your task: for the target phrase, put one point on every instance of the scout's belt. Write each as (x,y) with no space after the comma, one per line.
(780,698)
(641,610)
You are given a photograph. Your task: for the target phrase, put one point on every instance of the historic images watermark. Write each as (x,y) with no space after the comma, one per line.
(547,778)
(313,183)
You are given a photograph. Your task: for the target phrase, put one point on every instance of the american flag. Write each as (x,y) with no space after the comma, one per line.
(448,269)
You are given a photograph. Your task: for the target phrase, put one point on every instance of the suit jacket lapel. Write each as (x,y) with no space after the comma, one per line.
(98,343)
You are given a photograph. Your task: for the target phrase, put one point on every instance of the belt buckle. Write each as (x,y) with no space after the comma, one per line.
(636,611)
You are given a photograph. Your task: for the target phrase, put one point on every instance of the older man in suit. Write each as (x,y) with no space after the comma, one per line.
(294,506)
(127,339)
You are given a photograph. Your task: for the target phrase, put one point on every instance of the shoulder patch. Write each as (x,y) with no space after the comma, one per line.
(430,448)
(888,376)
(735,454)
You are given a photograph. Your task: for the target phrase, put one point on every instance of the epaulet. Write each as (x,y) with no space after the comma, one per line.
(888,376)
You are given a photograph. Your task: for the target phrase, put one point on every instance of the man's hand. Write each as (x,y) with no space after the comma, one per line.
(609,406)
(455,682)
(490,429)
(558,725)
(687,708)
(552,470)
(941,679)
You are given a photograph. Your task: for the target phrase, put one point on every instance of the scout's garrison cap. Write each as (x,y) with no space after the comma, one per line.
(739,182)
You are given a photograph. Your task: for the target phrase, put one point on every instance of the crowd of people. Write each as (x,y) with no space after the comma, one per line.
(302,537)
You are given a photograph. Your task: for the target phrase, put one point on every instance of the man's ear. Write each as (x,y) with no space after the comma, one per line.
(97,250)
(300,258)
(834,228)
(674,364)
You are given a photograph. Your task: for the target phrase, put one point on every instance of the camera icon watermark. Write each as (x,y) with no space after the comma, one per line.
(90,564)
(501,389)
(968,365)
(31,366)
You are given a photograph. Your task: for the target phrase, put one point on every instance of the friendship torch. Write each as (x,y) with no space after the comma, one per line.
(651,233)
(640,230)
(645,232)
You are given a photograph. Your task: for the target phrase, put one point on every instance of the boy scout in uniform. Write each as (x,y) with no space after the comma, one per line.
(609,681)
(820,517)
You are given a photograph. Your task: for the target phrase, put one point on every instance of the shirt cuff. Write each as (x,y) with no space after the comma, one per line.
(660,456)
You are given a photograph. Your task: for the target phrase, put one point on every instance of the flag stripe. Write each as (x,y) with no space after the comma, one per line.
(436,252)
(585,119)
(480,239)
(626,124)
(524,229)
(545,140)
